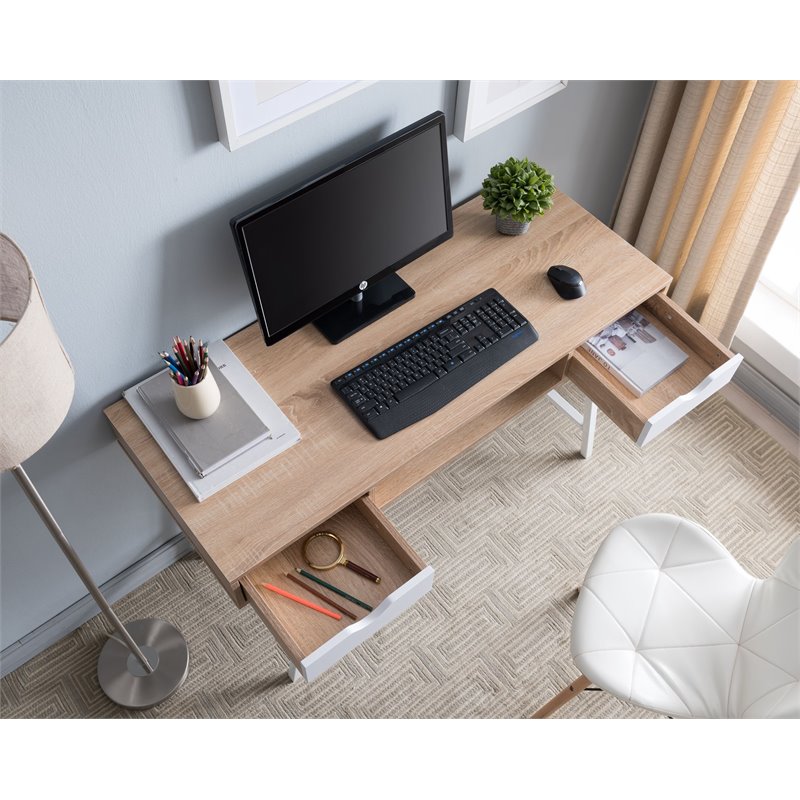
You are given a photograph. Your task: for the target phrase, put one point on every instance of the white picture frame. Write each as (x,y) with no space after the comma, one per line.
(248,110)
(481,105)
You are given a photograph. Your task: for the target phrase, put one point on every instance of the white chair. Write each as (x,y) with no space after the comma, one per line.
(668,620)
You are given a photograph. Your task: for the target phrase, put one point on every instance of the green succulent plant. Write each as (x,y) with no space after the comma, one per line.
(519,189)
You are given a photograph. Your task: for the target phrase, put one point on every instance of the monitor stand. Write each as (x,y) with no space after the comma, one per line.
(364,308)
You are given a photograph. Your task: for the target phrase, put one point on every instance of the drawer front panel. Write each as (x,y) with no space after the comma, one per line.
(353,635)
(682,405)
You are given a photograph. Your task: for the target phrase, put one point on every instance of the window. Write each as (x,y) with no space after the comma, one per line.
(781,273)
(769,333)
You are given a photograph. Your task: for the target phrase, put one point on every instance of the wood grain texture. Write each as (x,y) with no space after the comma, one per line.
(564,696)
(387,531)
(338,459)
(300,630)
(679,324)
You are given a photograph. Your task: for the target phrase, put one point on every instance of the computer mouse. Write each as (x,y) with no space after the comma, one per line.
(567,281)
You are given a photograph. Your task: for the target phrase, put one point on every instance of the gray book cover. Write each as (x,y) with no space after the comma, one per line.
(208,443)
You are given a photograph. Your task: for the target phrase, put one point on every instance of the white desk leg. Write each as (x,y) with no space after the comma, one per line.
(587,420)
(589,423)
(294,673)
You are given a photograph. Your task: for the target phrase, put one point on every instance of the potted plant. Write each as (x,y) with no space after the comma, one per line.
(515,191)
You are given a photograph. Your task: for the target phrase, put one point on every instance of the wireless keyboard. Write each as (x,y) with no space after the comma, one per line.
(426,370)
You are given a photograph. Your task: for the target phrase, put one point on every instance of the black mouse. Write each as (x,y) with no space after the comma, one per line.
(567,281)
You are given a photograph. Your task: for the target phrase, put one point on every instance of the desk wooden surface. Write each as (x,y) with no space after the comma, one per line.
(338,460)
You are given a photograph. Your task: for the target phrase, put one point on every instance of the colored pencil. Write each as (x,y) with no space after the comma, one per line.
(300,600)
(189,355)
(175,370)
(170,359)
(333,588)
(182,353)
(189,364)
(321,596)
(181,360)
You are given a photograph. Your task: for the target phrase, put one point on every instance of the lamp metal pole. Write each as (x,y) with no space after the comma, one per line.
(78,565)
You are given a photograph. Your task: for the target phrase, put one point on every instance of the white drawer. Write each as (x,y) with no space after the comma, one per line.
(710,366)
(313,641)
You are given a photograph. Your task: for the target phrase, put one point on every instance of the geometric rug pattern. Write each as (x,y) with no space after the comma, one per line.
(510,528)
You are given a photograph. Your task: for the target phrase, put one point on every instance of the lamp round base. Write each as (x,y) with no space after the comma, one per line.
(122,676)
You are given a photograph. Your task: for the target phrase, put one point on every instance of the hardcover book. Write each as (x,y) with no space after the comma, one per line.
(636,352)
(282,434)
(208,443)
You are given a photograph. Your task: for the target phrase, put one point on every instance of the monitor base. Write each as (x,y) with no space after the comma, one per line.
(376,301)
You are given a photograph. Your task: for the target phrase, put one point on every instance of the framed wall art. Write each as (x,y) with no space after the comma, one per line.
(247,110)
(481,105)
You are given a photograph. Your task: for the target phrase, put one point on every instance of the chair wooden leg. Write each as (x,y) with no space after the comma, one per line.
(576,687)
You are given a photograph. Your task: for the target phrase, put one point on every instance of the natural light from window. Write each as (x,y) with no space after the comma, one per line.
(770,328)
(781,273)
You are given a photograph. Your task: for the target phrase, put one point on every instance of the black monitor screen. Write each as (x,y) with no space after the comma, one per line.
(311,248)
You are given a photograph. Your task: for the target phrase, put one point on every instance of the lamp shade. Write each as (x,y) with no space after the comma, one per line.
(36,378)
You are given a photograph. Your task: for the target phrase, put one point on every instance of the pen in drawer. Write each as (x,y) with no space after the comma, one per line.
(306,603)
(333,588)
(322,597)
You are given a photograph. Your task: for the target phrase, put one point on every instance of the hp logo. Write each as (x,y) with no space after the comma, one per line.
(362,286)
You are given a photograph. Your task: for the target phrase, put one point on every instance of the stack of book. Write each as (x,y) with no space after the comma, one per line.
(636,352)
(246,431)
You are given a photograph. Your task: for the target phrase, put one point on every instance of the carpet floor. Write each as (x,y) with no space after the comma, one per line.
(510,528)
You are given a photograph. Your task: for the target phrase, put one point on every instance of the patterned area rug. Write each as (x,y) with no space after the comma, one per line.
(510,528)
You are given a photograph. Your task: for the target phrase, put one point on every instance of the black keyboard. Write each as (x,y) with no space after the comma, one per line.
(423,372)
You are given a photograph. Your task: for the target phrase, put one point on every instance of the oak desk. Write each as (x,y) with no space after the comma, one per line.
(340,475)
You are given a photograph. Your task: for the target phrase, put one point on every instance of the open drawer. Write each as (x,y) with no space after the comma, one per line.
(709,367)
(313,641)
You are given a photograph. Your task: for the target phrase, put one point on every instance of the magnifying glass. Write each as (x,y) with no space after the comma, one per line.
(313,548)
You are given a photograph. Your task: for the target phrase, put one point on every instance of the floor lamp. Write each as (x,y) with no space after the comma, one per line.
(145,661)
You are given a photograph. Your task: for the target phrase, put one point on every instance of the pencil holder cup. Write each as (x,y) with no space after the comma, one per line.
(198,401)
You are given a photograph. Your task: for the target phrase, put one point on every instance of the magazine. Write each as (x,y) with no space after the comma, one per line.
(635,351)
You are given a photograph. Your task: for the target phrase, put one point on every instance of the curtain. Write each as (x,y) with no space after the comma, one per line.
(713,175)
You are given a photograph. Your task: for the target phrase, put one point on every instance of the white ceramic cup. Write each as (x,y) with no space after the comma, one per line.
(198,401)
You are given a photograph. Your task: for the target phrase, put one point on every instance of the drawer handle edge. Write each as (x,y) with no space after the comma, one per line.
(686,402)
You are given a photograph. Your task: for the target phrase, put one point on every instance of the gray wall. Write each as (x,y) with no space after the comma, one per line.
(120,195)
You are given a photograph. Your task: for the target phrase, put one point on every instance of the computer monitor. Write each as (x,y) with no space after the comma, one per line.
(328,250)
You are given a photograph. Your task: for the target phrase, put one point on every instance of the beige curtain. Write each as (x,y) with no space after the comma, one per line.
(713,175)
